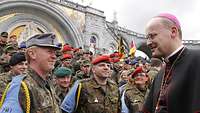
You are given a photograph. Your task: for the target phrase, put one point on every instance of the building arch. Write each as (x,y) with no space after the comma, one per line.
(40,11)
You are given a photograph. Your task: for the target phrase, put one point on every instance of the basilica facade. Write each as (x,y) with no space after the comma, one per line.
(78,25)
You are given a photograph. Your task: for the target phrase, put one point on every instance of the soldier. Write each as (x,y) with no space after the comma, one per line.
(84,70)
(156,65)
(87,55)
(18,66)
(5,57)
(40,54)
(3,41)
(13,40)
(67,49)
(98,94)
(135,90)
(123,79)
(63,79)
(66,60)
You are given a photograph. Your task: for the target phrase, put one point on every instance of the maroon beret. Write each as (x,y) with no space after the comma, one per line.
(137,70)
(67,48)
(114,60)
(116,54)
(67,56)
(102,58)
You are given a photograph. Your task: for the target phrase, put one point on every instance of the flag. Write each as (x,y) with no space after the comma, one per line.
(132,49)
(69,102)
(121,47)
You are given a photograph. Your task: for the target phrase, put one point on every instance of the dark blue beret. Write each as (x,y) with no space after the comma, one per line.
(17,58)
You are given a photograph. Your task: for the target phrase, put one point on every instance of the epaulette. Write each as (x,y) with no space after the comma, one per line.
(85,80)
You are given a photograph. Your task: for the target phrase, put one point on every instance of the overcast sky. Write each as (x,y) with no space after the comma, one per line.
(134,14)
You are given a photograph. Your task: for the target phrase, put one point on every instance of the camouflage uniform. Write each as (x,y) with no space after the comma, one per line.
(152,73)
(42,94)
(2,49)
(3,63)
(96,99)
(134,98)
(5,78)
(80,75)
(60,93)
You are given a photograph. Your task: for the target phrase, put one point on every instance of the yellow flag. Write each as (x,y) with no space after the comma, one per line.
(132,49)
(121,47)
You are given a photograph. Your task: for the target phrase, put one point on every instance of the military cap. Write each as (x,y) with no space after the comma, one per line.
(116,54)
(102,58)
(85,63)
(17,58)
(9,48)
(115,60)
(62,72)
(43,40)
(4,34)
(67,56)
(137,71)
(67,48)
(112,55)
(22,45)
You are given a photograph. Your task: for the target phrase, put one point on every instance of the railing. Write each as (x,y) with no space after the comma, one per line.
(109,24)
(194,42)
(79,7)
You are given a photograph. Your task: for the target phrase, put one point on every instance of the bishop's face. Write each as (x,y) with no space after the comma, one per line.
(158,38)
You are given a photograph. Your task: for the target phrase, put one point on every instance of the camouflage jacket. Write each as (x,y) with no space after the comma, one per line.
(134,98)
(60,93)
(97,99)
(5,78)
(42,94)
(80,75)
(4,67)
(1,50)
(152,73)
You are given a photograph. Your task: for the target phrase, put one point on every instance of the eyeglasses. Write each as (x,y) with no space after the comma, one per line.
(151,36)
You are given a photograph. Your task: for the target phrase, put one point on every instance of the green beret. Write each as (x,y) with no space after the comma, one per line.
(62,72)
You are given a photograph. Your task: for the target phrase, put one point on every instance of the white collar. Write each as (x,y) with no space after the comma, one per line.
(173,53)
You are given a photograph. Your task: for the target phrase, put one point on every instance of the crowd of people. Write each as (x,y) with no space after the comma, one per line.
(64,79)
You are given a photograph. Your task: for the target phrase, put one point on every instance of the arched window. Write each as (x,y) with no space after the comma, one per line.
(93,39)
(93,44)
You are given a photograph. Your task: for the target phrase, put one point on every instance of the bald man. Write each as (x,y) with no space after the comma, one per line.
(176,88)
